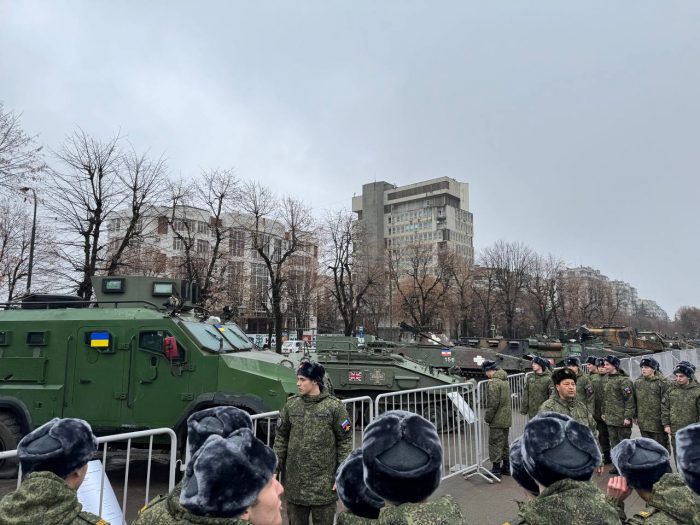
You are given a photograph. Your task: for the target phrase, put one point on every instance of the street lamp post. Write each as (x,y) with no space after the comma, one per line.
(31,242)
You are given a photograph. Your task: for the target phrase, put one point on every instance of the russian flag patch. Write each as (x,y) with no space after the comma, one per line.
(346,425)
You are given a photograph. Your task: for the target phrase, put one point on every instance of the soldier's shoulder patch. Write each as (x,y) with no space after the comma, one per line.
(346,425)
(102,522)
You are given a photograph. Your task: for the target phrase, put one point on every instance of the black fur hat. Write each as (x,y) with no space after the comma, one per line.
(60,446)
(563,373)
(650,362)
(555,447)
(353,492)
(488,365)
(641,461)
(572,361)
(226,475)
(517,470)
(544,363)
(683,368)
(599,362)
(313,371)
(613,360)
(688,455)
(689,364)
(592,360)
(221,421)
(402,456)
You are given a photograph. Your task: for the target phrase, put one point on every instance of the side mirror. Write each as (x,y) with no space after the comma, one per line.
(170,348)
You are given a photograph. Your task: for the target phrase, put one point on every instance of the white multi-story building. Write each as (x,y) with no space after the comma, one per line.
(433,212)
(241,273)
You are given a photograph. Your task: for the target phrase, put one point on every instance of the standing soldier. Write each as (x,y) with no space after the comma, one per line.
(584,387)
(680,406)
(566,401)
(499,417)
(313,439)
(618,403)
(598,379)
(538,387)
(649,390)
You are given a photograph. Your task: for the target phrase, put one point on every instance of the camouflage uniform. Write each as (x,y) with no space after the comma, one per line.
(680,407)
(671,503)
(599,381)
(499,416)
(44,497)
(443,511)
(348,518)
(648,393)
(167,510)
(571,502)
(572,408)
(584,390)
(538,387)
(618,405)
(313,438)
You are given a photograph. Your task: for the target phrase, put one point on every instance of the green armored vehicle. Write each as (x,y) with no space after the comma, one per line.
(138,357)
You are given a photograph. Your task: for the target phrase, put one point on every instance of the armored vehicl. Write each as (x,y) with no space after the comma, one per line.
(138,357)
(627,340)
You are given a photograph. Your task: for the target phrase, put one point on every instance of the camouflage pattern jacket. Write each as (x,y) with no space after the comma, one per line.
(166,510)
(43,497)
(618,400)
(313,438)
(671,503)
(680,406)
(538,387)
(598,381)
(499,413)
(648,393)
(443,511)
(584,391)
(348,518)
(570,502)
(572,408)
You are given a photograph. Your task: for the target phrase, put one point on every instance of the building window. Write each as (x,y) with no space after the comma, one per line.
(178,244)
(202,246)
(236,243)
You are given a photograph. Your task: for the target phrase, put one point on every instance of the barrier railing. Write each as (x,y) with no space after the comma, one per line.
(137,452)
(453,410)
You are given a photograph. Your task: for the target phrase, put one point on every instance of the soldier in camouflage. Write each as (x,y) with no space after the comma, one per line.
(584,387)
(443,511)
(680,406)
(54,460)
(645,467)
(538,387)
(566,401)
(618,403)
(649,390)
(313,438)
(498,417)
(599,379)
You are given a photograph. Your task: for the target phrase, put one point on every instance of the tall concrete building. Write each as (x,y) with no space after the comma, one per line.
(434,211)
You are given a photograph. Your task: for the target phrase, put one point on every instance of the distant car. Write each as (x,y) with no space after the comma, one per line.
(289,347)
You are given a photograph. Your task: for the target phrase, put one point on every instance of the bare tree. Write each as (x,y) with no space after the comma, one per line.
(483,286)
(511,263)
(278,228)
(301,291)
(420,277)
(20,157)
(461,293)
(351,270)
(542,285)
(687,320)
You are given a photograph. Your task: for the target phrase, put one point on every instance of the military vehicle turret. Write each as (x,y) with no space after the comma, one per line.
(627,340)
(140,356)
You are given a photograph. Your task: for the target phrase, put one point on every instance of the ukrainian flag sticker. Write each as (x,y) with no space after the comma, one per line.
(99,340)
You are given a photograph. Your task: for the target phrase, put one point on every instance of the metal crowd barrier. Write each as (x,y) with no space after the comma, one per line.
(105,441)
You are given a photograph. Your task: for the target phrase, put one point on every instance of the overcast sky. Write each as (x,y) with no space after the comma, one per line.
(576,124)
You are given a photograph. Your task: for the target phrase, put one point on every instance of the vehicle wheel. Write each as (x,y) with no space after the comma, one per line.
(9,437)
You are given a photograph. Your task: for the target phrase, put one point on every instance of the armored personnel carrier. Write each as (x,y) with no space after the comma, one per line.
(140,356)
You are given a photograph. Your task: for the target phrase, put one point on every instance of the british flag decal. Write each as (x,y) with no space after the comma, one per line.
(354,375)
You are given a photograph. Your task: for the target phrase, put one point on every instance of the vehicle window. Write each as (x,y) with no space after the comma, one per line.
(152,340)
(212,338)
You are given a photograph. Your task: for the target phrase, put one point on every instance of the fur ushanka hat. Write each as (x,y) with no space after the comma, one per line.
(556,447)
(60,446)
(688,455)
(572,361)
(221,421)
(226,475)
(312,371)
(517,470)
(685,368)
(488,365)
(353,492)
(402,457)
(650,362)
(544,363)
(613,360)
(641,461)
(592,360)
(563,373)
